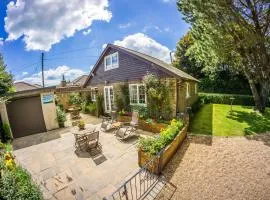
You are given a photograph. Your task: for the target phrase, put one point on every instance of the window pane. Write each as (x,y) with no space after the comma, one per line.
(115,59)
(108,61)
(142,94)
(133,94)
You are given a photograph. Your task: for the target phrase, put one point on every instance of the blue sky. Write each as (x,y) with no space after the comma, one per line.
(72,35)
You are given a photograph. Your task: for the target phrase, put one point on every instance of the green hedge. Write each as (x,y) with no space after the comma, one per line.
(245,100)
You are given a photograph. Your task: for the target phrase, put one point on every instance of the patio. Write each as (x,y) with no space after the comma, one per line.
(63,174)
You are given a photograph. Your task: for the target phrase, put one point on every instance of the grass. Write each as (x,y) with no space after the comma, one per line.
(217,120)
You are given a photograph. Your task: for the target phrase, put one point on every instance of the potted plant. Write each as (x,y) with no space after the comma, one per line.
(61,117)
(81,125)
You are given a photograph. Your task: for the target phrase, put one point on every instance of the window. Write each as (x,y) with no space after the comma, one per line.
(94,92)
(187,90)
(111,61)
(196,88)
(137,94)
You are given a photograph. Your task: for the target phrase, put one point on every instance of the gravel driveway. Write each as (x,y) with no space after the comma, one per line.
(221,168)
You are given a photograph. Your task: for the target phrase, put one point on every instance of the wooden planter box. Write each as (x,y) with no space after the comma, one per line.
(153,127)
(163,158)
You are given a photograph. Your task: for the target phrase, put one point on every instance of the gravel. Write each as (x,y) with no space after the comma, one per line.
(221,168)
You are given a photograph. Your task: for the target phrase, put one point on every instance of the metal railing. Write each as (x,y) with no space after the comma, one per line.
(136,187)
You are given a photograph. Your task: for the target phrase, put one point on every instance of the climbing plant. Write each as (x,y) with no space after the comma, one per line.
(159,96)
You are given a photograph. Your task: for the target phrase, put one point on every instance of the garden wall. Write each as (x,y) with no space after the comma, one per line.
(164,156)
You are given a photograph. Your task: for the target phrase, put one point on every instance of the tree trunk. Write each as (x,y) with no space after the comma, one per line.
(260,94)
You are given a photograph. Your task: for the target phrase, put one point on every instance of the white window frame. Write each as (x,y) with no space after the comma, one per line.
(187,90)
(138,95)
(196,88)
(111,66)
(94,94)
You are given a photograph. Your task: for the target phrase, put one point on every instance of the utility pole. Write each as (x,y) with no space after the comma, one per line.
(171,52)
(42,68)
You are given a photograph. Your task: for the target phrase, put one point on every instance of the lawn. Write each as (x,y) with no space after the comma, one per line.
(217,120)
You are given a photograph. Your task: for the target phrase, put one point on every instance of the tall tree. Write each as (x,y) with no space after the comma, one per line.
(6,81)
(184,61)
(219,78)
(235,32)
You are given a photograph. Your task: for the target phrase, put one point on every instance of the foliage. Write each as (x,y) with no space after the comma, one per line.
(7,135)
(142,110)
(245,100)
(158,97)
(61,116)
(75,99)
(154,145)
(92,108)
(234,33)
(122,98)
(99,104)
(219,78)
(217,120)
(6,82)
(15,182)
(81,124)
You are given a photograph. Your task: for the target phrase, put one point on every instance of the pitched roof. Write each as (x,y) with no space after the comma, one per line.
(22,86)
(80,80)
(163,65)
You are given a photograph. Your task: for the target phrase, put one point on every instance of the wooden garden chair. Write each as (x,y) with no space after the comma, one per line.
(107,122)
(128,129)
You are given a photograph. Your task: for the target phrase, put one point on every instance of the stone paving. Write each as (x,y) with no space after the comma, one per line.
(65,174)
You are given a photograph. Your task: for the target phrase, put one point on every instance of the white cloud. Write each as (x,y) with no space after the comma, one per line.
(86,32)
(167,29)
(25,73)
(1,41)
(54,76)
(142,43)
(123,26)
(104,46)
(168,1)
(43,23)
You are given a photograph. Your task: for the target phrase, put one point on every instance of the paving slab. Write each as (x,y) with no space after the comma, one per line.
(63,173)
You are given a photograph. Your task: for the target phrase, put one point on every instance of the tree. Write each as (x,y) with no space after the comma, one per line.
(6,82)
(185,61)
(235,32)
(218,78)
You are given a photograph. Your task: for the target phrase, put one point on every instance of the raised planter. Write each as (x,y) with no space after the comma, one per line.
(163,157)
(143,125)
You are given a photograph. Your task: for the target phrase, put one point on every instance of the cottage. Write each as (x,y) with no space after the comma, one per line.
(118,65)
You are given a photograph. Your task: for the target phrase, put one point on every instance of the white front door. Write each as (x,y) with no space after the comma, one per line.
(108,98)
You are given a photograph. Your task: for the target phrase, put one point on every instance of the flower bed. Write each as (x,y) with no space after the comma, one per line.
(15,182)
(153,127)
(162,148)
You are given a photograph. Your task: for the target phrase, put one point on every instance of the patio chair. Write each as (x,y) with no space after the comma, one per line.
(81,139)
(107,122)
(93,140)
(128,129)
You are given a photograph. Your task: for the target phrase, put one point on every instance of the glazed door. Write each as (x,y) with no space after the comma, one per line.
(108,98)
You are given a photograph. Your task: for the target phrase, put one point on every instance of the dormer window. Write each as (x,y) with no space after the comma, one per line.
(111,61)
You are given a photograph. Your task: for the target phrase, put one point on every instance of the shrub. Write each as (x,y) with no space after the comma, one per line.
(15,182)
(142,110)
(7,132)
(156,144)
(92,108)
(75,99)
(245,100)
(99,105)
(61,117)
